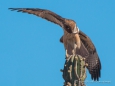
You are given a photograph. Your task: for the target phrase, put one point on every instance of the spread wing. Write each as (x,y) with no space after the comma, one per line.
(94,64)
(88,51)
(45,14)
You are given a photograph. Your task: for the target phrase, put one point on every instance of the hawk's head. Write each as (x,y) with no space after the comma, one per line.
(72,26)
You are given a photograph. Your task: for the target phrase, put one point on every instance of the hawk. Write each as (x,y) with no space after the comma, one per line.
(75,41)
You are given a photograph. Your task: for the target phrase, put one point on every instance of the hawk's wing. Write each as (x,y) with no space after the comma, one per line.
(94,64)
(46,14)
(88,51)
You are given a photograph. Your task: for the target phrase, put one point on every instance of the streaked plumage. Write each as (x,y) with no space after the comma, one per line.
(75,41)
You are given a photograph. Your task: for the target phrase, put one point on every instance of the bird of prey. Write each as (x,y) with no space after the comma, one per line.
(74,40)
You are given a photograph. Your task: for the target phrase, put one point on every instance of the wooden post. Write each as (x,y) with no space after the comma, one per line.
(74,72)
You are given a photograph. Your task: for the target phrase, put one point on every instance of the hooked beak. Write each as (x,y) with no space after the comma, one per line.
(75,30)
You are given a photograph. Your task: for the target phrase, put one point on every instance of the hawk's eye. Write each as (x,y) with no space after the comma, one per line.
(68,30)
(67,26)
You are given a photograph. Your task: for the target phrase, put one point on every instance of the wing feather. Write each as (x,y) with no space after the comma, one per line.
(45,14)
(94,64)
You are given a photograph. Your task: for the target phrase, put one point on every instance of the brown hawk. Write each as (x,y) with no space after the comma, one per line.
(74,40)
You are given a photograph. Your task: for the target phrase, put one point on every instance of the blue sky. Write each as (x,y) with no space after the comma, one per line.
(30,51)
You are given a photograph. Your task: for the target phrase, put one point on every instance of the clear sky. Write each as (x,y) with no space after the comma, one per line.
(30,51)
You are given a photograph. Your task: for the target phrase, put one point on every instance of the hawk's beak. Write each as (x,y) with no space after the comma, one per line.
(75,30)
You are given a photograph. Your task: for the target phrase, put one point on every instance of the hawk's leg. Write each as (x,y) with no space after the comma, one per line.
(66,53)
(67,56)
(74,49)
